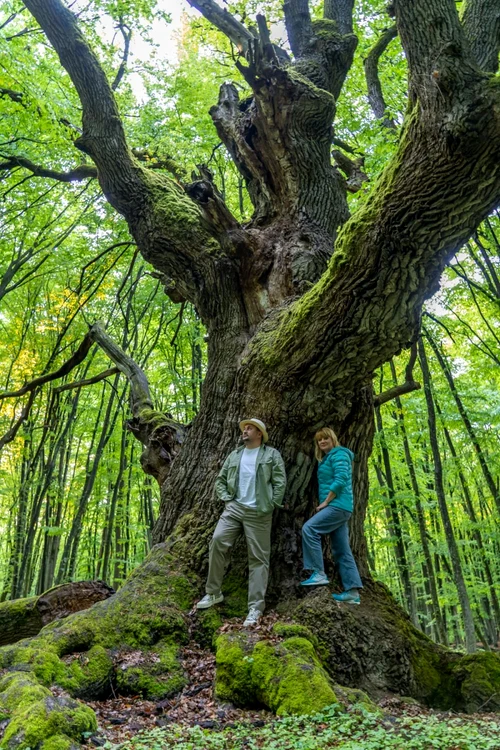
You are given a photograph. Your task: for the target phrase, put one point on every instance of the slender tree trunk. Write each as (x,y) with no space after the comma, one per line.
(111,515)
(15,564)
(470,639)
(54,501)
(68,559)
(469,508)
(485,468)
(428,566)
(394,522)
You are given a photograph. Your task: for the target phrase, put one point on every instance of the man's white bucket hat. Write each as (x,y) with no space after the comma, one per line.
(256,423)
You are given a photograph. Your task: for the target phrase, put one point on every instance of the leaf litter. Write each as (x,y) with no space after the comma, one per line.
(122,718)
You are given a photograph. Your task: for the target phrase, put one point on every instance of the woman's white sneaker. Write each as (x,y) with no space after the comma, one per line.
(209,600)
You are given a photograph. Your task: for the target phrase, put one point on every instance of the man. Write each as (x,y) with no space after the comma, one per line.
(251,483)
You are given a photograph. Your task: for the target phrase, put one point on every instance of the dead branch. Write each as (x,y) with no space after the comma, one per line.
(375,94)
(88,381)
(82,172)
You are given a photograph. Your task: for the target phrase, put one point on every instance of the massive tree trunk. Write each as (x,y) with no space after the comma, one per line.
(302,303)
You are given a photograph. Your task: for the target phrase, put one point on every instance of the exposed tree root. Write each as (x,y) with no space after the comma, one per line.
(130,642)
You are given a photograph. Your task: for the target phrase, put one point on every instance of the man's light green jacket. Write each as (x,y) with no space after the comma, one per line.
(270,478)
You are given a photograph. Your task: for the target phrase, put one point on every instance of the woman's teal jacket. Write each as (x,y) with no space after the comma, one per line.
(335,475)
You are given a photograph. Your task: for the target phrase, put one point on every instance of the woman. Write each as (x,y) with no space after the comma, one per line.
(331,517)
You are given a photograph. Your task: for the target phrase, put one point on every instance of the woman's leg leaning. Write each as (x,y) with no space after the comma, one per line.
(341,551)
(321,523)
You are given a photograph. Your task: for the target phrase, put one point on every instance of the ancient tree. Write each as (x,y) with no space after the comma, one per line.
(303,302)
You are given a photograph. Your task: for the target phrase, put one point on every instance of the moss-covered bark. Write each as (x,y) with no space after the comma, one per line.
(130,642)
(286,677)
(38,719)
(376,648)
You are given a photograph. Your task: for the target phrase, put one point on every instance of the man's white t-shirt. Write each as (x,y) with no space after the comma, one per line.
(246,485)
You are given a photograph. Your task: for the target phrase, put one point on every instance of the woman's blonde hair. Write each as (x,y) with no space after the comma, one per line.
(325,432)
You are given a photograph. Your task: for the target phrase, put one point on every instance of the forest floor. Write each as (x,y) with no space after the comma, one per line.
(195,720)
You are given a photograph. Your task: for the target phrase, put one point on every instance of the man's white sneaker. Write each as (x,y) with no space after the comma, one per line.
(253,617)
(209,600)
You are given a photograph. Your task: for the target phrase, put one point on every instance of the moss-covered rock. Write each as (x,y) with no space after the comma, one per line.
(286,677)
(233,680)
(89,675)
(289,678)
(356,700)
(20,688)
(36,722)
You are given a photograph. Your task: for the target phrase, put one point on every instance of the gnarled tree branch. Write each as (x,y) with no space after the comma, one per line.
(225,22)
(439,61)
(101,120)
(160,434)
(139,385)
(87,381)
(103,136)
(16,96)
(481,21)
(172,231)
(76,359)
(375,94)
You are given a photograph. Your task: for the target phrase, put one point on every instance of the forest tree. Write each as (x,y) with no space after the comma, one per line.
(301,304)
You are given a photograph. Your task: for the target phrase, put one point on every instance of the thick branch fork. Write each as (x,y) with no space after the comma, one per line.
(388,257)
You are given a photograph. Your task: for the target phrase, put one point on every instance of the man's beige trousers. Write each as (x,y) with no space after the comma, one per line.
(257,529)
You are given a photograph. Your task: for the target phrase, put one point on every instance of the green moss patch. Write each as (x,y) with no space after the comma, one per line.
(478,682)
(35,722)
(292,630)
(206,625)
(154,675)
(89,675)
(286,677)
(60,742)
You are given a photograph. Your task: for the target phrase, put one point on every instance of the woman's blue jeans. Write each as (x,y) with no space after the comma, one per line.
(333,521)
